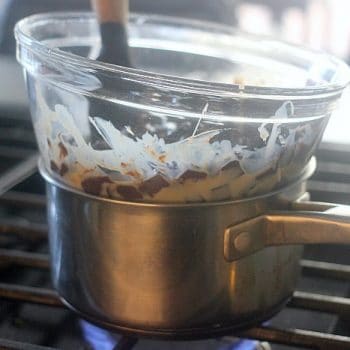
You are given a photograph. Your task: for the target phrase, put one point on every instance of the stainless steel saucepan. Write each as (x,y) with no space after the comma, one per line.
(178,271)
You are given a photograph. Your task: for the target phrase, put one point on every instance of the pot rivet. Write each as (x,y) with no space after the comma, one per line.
(243,241)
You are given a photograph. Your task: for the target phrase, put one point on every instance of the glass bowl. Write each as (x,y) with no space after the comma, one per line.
(207,114)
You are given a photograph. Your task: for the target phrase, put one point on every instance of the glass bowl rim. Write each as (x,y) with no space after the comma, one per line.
(24,39)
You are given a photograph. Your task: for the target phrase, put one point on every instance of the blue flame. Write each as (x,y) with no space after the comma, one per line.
(100,339)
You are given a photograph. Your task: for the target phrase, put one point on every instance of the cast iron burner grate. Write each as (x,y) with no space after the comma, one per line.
(31,313)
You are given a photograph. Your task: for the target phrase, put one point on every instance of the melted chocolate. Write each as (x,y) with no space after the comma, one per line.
(63,150)
(153,185)
(192,175)
(64,169)
(54,167)
(93,185)
(129,193)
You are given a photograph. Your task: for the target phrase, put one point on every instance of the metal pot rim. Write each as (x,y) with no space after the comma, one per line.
(307,173)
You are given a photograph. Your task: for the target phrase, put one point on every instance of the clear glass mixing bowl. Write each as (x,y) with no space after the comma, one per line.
(208,115)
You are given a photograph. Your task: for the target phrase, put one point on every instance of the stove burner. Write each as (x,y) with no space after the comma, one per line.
(101,339)
(98,338)
(244,344)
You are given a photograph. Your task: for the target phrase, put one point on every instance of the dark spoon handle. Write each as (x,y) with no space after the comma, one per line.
(114,44)
(113,17)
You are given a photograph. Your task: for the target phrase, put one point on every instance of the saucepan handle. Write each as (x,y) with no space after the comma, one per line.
(305,223)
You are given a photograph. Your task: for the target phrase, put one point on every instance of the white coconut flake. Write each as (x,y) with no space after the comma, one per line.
(132,159)
(264,133)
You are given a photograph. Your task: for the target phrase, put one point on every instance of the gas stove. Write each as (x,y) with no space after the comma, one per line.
(32,316)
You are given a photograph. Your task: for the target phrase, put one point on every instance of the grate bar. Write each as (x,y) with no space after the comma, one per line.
(322,303)
(17,134)
(331,167)
(10,152)
(24,229)
(29,294)
(23,199)
(15,345)
(297,337)
(26,259)
(126,343)
(327,187)
(18,173)
(326,270)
